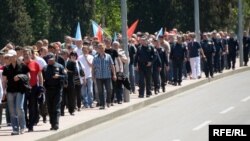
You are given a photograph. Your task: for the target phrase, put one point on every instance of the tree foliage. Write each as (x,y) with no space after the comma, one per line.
(15,23)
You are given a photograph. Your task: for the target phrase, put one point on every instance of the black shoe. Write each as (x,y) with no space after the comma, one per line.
(163,89)
(140,96)
(30,130)
(56,127)
(62,114)
(175,84)
(44,119)
(147,95)
(119,102)
(97,104)
(72,114)
(179,84)
(108,105)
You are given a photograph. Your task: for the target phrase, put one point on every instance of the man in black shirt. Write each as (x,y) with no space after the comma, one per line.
(209,51)
(144,59)
(232,50)
(54,77)
(178,54)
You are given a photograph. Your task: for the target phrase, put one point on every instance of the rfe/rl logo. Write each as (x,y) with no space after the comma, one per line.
(229,132)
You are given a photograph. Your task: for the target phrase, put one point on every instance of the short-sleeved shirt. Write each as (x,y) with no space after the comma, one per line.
(9,71)
(34,70)
(193,49)
(102,66)
(86,67)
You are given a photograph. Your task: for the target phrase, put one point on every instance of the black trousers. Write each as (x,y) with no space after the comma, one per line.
(71,98)
(145,75)
(78,93)
(64,102)
(33,106)
(54,98)
(245,54)
(163,76)
(208,66)
(177,70)
(156,78)
(101,83)
(231,59)
(217,63)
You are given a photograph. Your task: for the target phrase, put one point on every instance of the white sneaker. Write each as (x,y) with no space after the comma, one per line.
(22,131)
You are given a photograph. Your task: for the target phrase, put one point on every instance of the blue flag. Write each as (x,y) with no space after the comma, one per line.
(78,35)
(160,33)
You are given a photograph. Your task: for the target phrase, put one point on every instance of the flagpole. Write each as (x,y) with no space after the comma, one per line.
(125,44)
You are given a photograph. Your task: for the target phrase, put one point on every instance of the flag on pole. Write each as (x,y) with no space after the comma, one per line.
(96,27)
(132,28)
(78,35)
(160,33)
(97,30)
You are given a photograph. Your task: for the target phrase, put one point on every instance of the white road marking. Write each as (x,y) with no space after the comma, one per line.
(201,125)
(176,140)
(245,99)
(227,110)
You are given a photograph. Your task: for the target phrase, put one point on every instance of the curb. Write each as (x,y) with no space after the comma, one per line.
(93,122)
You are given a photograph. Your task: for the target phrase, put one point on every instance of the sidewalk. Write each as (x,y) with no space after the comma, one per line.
(87,118)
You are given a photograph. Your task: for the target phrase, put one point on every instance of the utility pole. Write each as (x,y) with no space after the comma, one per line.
(126,92)
(240,31)
(197,20)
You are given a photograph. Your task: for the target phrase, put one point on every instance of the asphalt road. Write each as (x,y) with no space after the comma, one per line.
(184,117)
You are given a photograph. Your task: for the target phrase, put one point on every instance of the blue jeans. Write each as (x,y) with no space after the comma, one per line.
(17,116)
(132,77)
(87,92)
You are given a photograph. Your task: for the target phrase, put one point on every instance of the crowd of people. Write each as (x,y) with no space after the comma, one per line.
(46,78)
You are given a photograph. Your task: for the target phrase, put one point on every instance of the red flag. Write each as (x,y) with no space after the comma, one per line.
(99,34)
(132,28)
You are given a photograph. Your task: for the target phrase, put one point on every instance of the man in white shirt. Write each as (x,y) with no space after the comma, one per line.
(86,61)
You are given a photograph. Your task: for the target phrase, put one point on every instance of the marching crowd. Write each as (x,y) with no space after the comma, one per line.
(47,78)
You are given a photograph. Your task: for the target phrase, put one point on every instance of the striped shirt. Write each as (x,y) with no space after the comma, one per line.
(102,66)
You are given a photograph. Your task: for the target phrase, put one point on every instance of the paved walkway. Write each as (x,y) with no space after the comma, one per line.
(87,118)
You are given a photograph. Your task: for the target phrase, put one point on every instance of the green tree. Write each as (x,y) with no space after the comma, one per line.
(65,14)
(108,14)
(39,12)
(15,23)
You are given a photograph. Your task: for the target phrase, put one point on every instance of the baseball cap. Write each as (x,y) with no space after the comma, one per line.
(50,56)
(11,53)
